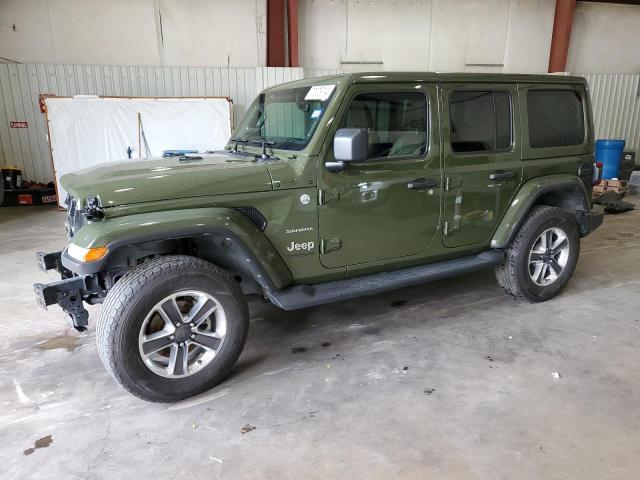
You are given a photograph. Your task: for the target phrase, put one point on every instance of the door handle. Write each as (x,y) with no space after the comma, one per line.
(420,183)
(500,175)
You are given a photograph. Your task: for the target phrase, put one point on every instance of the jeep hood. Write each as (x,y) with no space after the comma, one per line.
(128,182)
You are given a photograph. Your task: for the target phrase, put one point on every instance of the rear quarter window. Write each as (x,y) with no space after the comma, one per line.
(556,118)
(480,121)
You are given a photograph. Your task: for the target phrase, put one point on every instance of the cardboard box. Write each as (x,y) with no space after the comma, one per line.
(618,186)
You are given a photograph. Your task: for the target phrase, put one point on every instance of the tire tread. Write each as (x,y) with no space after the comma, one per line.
(123,293)
(507,272)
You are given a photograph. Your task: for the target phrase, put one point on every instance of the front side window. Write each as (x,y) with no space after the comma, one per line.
(555,118)
(480,121)
(396,122)
(287,117)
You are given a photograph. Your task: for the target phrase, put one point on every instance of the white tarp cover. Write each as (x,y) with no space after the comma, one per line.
(86,131)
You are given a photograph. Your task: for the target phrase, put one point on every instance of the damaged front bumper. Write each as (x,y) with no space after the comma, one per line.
(69,293)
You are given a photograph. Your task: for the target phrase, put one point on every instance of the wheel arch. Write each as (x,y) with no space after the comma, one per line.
(225,237)
(566,192)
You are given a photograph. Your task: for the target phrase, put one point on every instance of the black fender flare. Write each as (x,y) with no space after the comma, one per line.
(562,190)
(241,243)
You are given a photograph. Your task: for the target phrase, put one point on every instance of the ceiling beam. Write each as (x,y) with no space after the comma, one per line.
(621,2)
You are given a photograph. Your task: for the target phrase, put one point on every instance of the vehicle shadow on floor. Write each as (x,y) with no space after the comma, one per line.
(278,337)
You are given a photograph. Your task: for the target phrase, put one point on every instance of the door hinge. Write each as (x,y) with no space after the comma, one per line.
(327,195)
(330,244)
(450,226)
(450,183)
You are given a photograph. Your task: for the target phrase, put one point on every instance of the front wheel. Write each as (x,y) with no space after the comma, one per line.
(172,328)
(542,257)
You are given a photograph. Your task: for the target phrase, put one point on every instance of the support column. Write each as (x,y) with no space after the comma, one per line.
(276,49)
(562,23)
(292,31)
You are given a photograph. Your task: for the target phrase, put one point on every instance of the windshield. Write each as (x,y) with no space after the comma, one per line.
(285,118)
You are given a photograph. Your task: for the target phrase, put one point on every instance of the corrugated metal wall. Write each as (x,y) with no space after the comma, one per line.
(21,85)
(310,72)
(616,103)
(616,107)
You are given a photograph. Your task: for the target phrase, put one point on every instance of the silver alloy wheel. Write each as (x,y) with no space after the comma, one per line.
(548,256)
(182,334)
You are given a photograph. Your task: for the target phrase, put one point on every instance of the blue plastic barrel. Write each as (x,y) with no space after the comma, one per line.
(609,152)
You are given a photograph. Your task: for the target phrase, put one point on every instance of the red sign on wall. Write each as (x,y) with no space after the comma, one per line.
(18,125)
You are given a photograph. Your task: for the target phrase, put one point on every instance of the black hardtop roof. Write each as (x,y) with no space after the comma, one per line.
(462,77)
(419,77)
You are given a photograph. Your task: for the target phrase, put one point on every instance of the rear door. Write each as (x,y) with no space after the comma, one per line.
(482,160)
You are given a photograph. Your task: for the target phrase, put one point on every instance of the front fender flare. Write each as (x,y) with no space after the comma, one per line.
(231,226)
(568,186)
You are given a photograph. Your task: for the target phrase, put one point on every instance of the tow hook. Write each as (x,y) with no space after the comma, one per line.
(69,294)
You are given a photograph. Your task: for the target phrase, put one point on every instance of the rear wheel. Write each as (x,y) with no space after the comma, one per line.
(172,328)
(543,256)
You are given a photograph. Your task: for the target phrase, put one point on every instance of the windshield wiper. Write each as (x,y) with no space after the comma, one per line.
(237,141)
(235,150)
(260,140)
(263,143)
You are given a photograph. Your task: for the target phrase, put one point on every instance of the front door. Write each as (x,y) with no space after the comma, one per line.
(388,206)
(482,167)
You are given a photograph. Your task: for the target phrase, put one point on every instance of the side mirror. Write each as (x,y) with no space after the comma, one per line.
(351,145)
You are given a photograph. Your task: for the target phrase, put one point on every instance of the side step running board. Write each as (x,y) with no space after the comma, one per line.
(301,296)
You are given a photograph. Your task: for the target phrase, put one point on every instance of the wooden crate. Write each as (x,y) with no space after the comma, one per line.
(617,186)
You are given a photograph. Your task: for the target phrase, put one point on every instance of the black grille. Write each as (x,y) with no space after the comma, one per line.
(75,218)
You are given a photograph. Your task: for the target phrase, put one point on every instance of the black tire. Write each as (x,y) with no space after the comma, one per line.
(135,294)
(513,274)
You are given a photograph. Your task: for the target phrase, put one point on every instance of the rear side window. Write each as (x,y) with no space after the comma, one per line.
(556,118)
(396,122)
(480,121)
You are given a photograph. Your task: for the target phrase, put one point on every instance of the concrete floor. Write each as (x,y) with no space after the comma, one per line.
(451,380)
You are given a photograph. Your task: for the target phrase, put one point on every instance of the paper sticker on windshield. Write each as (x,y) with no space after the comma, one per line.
(316,113)
(319,92)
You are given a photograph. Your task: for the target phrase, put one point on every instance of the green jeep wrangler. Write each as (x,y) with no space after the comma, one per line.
(331,188)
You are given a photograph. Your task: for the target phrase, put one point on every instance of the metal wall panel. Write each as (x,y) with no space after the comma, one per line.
(21,85)
(311,73)
(616,103)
